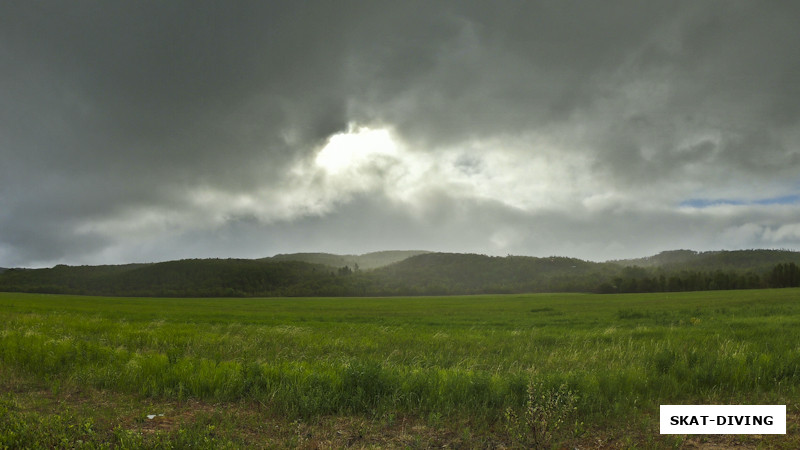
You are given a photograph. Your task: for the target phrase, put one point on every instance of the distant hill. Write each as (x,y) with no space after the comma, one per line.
(198,277)
(445,273)
(414,273)
(366,261)
(716,260)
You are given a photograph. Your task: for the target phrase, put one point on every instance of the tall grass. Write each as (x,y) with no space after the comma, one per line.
(451,356)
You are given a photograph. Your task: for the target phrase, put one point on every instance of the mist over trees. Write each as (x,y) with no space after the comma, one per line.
(421,273)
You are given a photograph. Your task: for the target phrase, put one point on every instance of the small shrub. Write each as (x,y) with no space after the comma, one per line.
(663,360)
(547,412)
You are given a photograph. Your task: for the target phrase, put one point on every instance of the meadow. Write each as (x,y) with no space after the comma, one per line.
(536,370)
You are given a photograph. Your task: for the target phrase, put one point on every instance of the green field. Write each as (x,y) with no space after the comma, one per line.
(473,371)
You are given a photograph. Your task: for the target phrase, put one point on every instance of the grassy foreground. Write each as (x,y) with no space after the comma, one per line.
(477,371)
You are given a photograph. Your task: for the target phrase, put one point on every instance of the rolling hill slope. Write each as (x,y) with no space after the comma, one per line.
(366,261)
(414,273)
(715,260)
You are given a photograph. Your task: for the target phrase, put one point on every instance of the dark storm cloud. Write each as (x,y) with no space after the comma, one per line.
(148,130)
(520,65)
(155,77)
(109,106)
(727,73)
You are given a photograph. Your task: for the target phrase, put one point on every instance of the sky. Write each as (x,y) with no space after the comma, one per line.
(142,131)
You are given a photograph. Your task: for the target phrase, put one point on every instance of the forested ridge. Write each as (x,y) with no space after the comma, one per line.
(422,273)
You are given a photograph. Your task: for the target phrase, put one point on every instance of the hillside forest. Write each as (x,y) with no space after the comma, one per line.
(414,273)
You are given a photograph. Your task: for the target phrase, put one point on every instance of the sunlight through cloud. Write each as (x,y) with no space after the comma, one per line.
(354,148)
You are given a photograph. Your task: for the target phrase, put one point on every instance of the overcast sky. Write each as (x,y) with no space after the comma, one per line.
(139,131)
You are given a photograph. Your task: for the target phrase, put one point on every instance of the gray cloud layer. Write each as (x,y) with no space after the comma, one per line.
(156,130)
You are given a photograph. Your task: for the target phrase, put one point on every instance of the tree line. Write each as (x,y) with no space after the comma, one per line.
(636,279)
(425,274)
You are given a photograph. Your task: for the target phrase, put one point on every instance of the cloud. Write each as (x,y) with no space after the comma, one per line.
(152,130)
(786,233)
